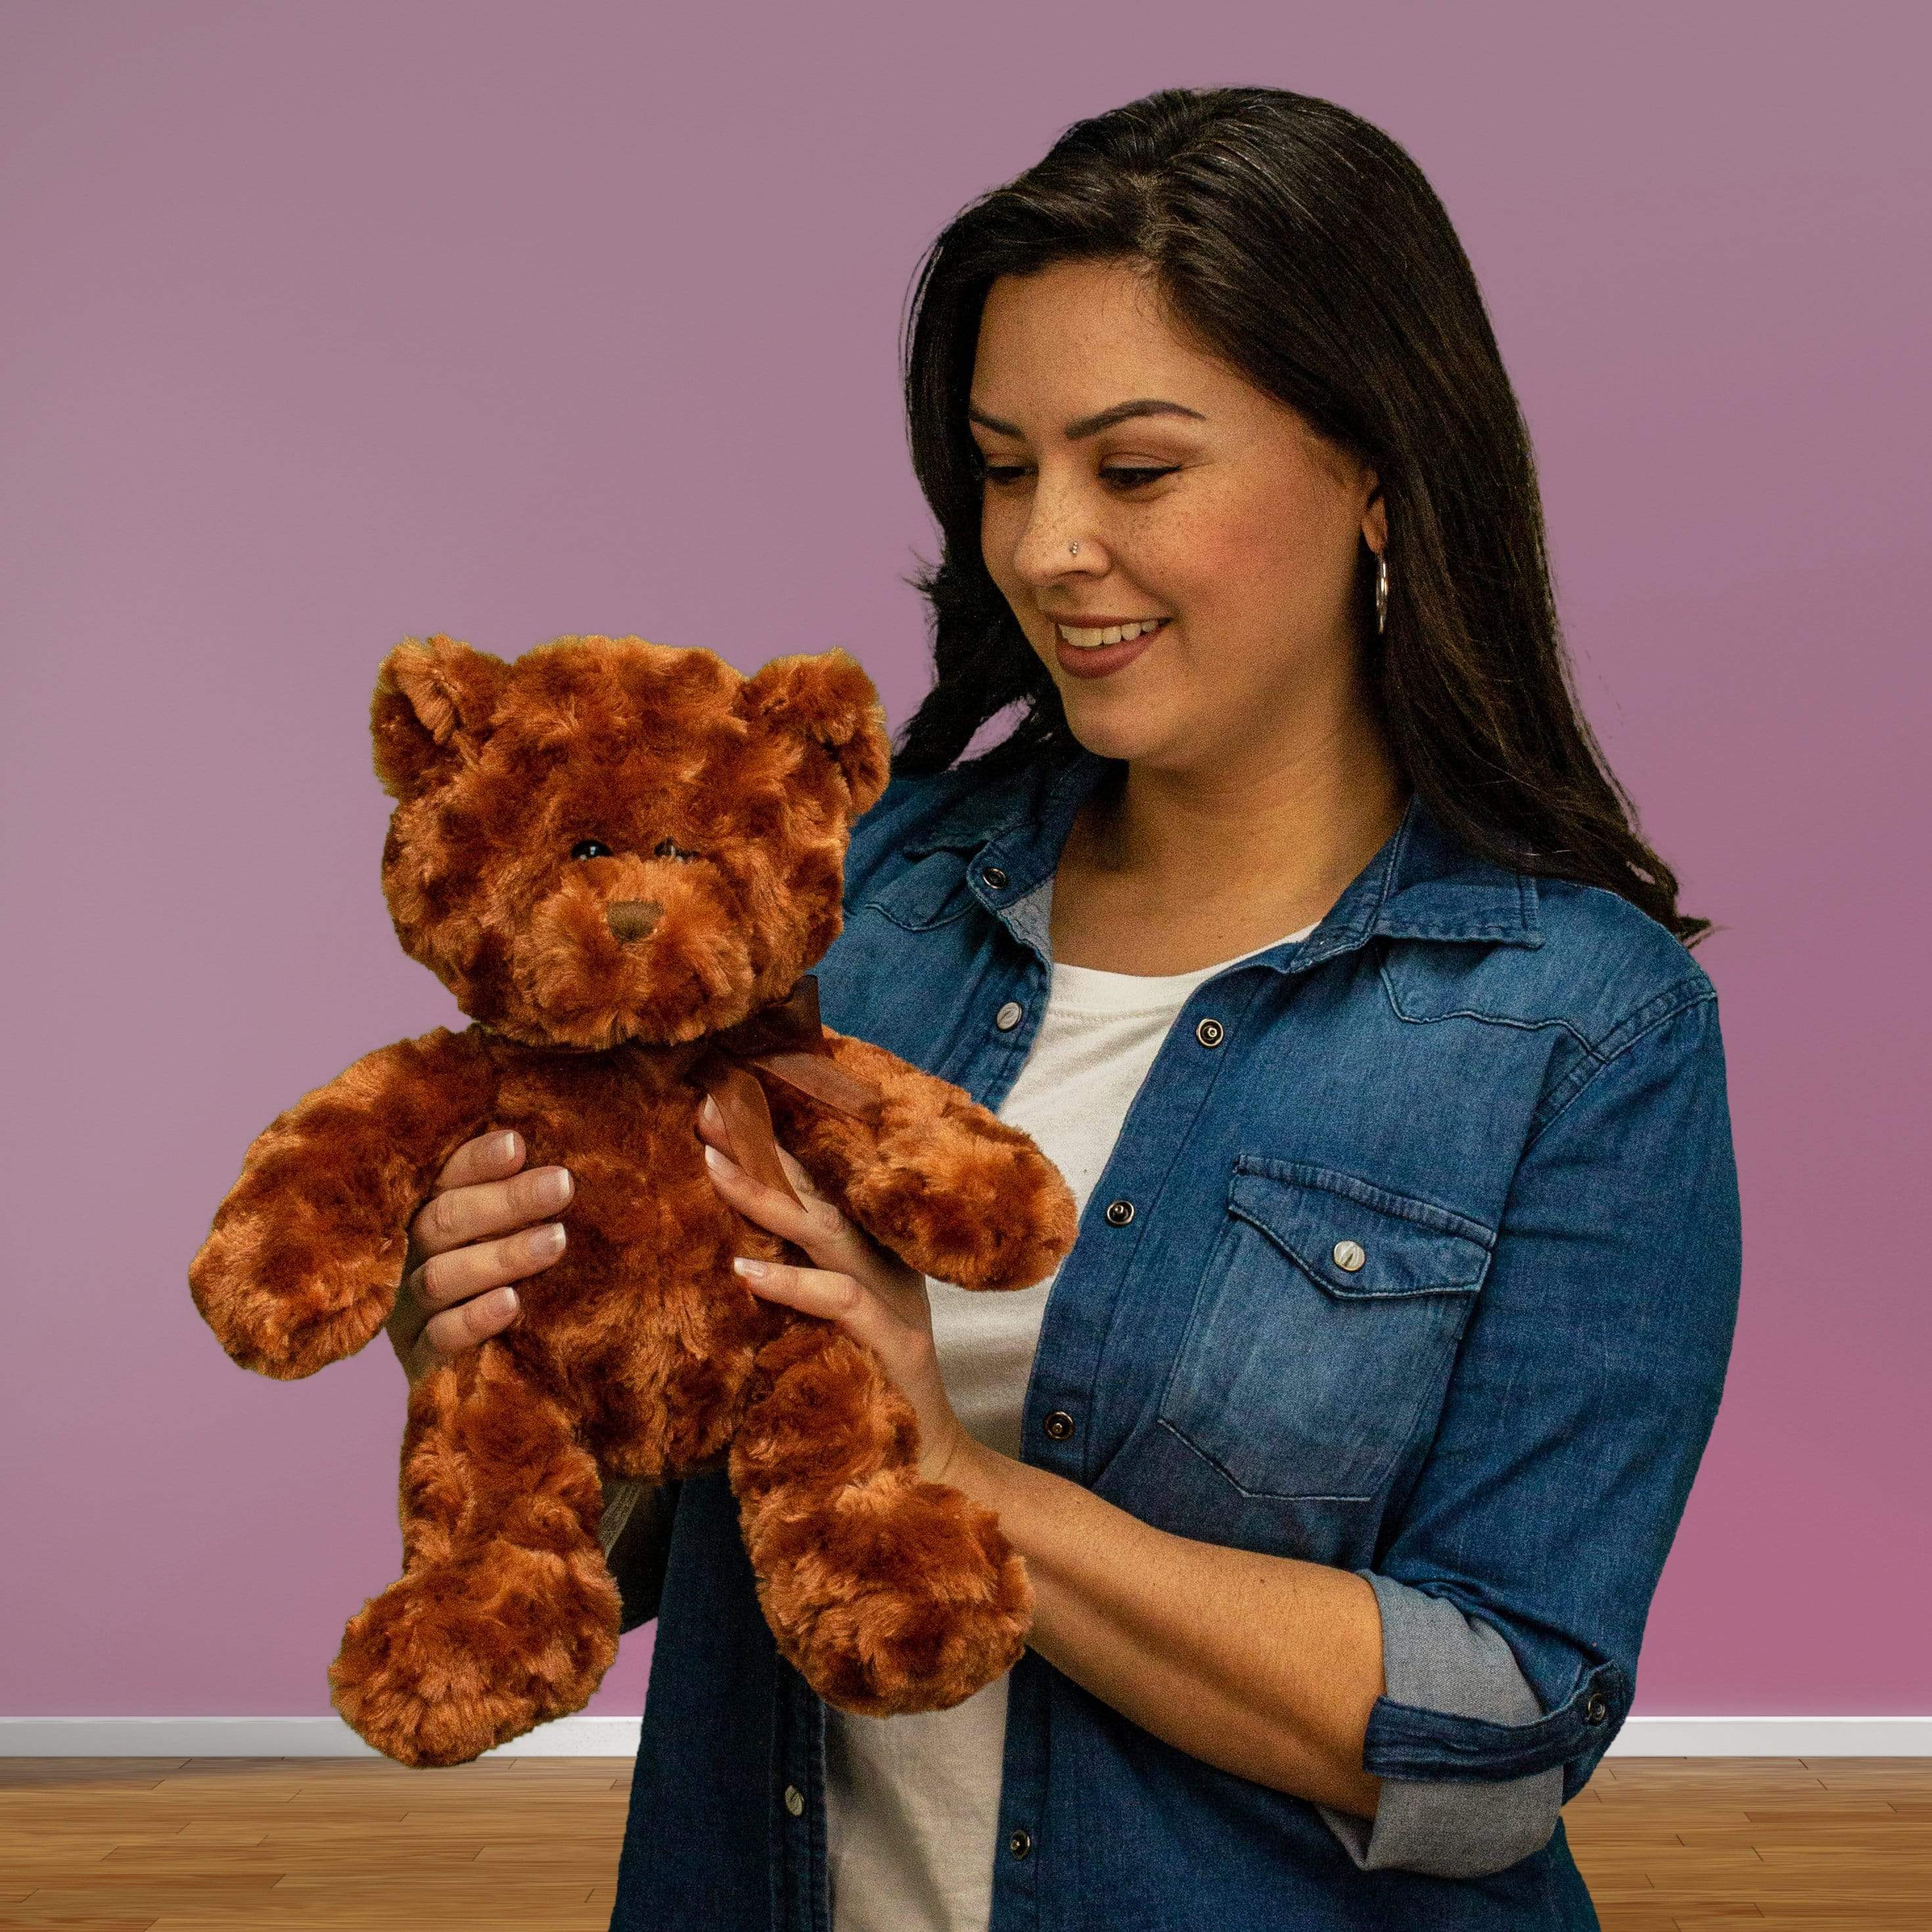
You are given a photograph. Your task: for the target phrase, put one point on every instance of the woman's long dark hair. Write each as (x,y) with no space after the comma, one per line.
(1303,247)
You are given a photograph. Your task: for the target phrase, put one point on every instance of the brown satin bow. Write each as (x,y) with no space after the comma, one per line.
(788,1042)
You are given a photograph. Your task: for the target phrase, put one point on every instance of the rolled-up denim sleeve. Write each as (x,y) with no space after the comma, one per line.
(1517,1574)
(1437,1659)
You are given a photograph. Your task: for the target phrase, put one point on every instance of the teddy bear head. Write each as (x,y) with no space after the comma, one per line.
(608,840)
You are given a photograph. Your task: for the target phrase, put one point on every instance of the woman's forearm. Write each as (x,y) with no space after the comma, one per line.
(1263,1666)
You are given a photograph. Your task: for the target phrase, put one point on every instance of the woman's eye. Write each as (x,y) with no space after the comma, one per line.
(590,848)
(666,849)
(1122,475)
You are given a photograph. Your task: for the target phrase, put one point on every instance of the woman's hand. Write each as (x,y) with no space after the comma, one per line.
(874,1297)
(473,1238)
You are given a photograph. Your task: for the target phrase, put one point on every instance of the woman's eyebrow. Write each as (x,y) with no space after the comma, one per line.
(1145,406)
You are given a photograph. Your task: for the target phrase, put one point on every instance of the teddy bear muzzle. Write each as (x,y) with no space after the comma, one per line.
(633,919)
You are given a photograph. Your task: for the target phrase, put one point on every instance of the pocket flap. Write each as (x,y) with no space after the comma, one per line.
(931,893)
(1352,1237)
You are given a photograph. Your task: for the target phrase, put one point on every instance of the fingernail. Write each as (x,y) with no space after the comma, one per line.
(745,1265)
(506,1146)
(548,1240)
(719,1162)
(553,1187)
(712,1118)
(510,1302)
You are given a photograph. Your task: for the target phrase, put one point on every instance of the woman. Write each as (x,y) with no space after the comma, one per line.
(1298,919)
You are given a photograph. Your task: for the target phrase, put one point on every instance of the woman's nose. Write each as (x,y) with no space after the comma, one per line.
(1059,537)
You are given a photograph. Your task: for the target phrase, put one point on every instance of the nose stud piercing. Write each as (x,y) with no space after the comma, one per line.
(1073,549)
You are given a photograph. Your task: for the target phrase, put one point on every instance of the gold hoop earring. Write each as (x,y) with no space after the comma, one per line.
(1381,593)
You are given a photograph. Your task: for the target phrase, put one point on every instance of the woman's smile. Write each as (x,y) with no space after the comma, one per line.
(1098,649)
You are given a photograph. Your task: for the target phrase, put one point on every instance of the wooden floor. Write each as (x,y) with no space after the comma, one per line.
(1680,1844)
(326,1844)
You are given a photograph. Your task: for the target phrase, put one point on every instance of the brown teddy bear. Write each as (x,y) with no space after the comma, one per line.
(621,858)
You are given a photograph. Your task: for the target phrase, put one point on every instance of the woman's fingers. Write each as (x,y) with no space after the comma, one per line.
(492,1156)
(473,1212)
(811,1222)
(824,1292)
(471,1239)
(458,1274)
(462,1296)
(901,1336)
(834,1296)
(878,1300)
(446,1336)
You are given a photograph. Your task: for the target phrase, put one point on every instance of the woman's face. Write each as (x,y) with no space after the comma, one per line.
(1196,499)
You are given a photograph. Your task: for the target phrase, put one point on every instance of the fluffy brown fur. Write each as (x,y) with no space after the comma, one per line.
(597,983)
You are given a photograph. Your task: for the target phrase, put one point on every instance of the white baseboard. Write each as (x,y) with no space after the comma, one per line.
(278,1737)
(617,1738)
(1765,1737)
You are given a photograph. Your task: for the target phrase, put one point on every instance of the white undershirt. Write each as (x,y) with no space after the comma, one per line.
(913,1802)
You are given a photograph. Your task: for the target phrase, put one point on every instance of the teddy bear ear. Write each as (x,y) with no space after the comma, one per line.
(827,698)
(433,701)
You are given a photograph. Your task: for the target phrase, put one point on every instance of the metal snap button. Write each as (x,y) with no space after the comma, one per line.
(1020,1843)
(1597,1709)
(1210,1033)
(1349,1255)
(794,1800)
(992,876)
(1119,1212)
(1009,1016)
(1059,1426)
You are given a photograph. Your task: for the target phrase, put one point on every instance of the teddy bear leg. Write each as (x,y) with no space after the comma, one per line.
(888,1593)
(506,1616)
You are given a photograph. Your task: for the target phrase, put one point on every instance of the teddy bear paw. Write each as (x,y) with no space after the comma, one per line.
(1021,1225)
(930,1621)
(445,1665)
(337,1304)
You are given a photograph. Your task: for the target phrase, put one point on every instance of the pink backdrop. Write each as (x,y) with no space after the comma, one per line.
(323,325)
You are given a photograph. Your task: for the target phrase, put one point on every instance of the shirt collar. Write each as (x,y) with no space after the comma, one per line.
(1424,883)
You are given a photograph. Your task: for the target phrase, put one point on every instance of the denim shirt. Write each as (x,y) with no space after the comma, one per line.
(1421,1260)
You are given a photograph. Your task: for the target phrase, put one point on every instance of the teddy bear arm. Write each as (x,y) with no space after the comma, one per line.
(941,1181)
(302,1262)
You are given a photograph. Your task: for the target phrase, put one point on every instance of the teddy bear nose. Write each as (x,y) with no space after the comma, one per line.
(633,919)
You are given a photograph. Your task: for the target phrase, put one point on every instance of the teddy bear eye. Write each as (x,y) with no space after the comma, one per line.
(666,848)
(590,848)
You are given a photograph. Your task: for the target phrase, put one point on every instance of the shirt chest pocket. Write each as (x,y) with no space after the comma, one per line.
(1322,1332)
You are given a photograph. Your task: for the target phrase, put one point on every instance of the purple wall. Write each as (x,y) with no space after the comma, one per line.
(326,325)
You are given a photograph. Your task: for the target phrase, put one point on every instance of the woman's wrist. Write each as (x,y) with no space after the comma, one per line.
(982,1474)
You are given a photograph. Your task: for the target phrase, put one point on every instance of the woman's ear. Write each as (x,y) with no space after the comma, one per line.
(1374,518)
(827,699)
(434,702)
